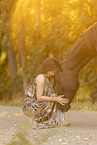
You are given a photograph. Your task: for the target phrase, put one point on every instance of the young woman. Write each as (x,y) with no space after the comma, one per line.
(41,101)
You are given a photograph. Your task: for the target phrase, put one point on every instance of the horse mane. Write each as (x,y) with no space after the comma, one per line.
(83,50)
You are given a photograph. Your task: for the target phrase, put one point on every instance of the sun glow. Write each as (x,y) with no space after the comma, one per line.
(73,1)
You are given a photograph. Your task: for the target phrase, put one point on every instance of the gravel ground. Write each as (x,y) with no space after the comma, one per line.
(83,129)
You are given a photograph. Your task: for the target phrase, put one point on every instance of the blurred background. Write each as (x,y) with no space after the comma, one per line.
(32,30)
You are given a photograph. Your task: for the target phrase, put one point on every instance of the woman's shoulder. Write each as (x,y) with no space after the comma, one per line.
(40,78)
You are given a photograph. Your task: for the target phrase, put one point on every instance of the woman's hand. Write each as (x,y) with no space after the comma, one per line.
(62,100)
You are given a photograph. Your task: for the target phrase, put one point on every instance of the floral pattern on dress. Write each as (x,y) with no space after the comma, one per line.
(45,114)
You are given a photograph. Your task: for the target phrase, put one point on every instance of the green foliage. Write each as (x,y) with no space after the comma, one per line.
(7,89)
(88,75)
(49,28)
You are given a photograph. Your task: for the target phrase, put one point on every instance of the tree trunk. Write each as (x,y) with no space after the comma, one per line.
(12,62)
(19,60)
(22,47)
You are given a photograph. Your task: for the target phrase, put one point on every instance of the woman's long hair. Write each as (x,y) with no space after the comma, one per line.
(49,64)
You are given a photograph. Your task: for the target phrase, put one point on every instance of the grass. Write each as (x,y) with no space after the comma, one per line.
(11,103)
(84,106)
(17,102)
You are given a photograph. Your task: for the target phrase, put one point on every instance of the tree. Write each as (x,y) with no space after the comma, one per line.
(37,29)
(6,9)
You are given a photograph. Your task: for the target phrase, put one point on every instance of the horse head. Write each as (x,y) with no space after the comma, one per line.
(67,84)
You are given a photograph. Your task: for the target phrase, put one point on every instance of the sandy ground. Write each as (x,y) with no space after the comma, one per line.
(83,129)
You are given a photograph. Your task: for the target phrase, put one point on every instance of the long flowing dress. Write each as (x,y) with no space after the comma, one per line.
(44,114)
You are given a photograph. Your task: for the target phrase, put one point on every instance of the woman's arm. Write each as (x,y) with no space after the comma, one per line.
(40,80)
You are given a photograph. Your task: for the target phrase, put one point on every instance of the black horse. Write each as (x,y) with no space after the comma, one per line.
(67,79)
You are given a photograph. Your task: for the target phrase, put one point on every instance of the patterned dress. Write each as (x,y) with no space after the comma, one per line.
(44,114)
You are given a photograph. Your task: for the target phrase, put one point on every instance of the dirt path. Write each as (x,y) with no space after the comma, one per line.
(83,129)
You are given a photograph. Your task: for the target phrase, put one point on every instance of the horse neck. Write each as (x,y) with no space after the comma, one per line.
(79,55)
